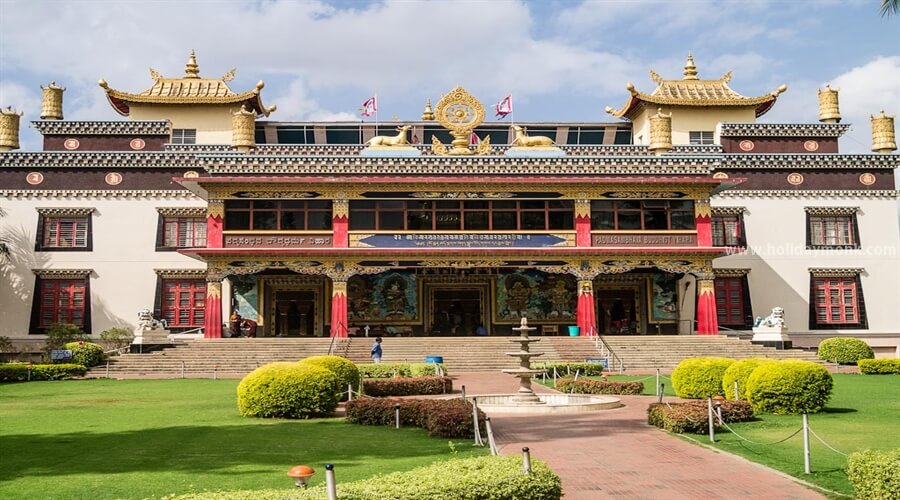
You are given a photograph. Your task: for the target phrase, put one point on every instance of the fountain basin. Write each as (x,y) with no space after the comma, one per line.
(549,403)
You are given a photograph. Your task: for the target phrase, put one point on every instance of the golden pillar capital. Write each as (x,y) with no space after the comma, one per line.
(215,208)
(338,287)
(213,289)
(702,208)
(582,208)
(340,208)
(585,287)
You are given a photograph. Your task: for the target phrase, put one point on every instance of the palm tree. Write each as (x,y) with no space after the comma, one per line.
(890,7)
(4,248)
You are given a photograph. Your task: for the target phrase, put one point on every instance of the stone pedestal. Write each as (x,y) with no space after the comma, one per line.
(771,336)
(150,336)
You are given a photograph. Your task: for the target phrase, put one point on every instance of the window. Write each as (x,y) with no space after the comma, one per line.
(836,301)
(642,215)
(182,302)
(60,296)
(733,302)
(64,229)
(277,215)
(701,137)
(728,230)
(181,232)
(831,228)
(184,136)
(473,215)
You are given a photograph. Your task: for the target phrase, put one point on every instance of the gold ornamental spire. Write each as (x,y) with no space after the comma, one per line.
(829,112)
(191,69)
(690,70)
(884,139)
(428,114)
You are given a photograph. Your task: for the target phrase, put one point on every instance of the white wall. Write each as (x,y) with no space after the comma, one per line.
(779,261)
(123,258)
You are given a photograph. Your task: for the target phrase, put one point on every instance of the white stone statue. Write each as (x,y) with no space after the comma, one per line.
(776,319)
(771,330)
(147,322)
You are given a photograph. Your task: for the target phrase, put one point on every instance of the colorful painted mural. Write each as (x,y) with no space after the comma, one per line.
(664,298)
(542,297)
(245,296)
(388,298)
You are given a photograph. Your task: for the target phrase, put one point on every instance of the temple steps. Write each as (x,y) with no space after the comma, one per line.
(236,357)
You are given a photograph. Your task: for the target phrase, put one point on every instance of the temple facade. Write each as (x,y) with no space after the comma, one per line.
(681,215)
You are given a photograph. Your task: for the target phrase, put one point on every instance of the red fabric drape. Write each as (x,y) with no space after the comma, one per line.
(339,226)
(585,316)
(339,314)
(707,318)
(214,237)
(704,230)
(212,320)
(582,231)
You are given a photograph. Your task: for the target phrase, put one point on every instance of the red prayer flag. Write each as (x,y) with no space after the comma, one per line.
(369,107)
(504,107)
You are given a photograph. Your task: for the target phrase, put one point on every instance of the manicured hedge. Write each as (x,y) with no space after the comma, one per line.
(386,370)
(588,386)
(789,387)
(844,350)
(693,416)
(85,353)
(879,366)
(699,377)
(479,478)
(563,368)
(875,474)
(345,370)
(440,417)
(15,372)
(288,390)
(413,386)
(739,372)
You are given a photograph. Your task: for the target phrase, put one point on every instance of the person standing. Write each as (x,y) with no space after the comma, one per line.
(376,350)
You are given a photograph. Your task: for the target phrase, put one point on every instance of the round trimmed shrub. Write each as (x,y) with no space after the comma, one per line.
(696,378)
(739,372)
(789,387)
(346,370)
(288,390)
(85,353)
(844,350)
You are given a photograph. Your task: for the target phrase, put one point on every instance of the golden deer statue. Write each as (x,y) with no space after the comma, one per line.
(391,140)
(525,141)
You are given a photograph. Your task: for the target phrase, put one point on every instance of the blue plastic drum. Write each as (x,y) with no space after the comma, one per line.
(434,359)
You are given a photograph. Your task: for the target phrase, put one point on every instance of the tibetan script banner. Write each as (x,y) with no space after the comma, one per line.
(277,241)
(647,240)
(458,240)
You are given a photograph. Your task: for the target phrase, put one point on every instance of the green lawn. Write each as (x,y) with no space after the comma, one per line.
(648,380)
(147,438)
(864,412)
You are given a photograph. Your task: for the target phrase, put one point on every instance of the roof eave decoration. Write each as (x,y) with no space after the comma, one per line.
(190,89)
(691,91)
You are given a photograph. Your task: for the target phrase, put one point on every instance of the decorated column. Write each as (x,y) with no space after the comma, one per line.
(703,221)
(339,308)
(212,318)
(583,223)
(215,216)
(585,315)
(340,217)
(707,318)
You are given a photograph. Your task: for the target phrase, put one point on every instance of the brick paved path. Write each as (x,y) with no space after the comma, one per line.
(616,454)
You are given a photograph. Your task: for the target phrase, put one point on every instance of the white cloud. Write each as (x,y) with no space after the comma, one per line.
(864,91)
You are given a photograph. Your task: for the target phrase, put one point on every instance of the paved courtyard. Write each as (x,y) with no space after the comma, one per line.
(615,453)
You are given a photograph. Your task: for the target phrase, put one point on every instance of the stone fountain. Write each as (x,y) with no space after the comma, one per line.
(526,395)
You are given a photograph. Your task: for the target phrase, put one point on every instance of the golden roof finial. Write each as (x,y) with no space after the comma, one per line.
(690,70)
(428,114)
(191,69)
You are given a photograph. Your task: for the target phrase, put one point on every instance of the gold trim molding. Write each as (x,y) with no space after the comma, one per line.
(837,272)
(62,273)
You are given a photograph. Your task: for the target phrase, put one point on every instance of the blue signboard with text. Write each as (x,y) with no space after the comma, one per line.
(463,240)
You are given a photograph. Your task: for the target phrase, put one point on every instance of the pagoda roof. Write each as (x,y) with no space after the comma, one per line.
(692,91)
(191,89)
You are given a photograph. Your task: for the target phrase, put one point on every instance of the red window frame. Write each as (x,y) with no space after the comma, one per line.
(183,302)
(730,300)
(184,232)
(836,300)
(62,301)
(832,231)
(65,231)
(727,231)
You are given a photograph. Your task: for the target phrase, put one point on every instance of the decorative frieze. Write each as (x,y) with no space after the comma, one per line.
(99,193)
(836,272)
(132,128)
(809,193)
(805,161)
(783,129)
(728,210)
(831,210)
(731,273)
(188,274)
(182,211)
(65,211)
(354,149)
(94,160)
(62,273)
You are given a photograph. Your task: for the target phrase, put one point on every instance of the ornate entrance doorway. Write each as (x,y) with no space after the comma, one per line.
(618,310)
(456,309)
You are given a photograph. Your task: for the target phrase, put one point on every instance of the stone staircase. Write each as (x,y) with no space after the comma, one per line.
(236,357)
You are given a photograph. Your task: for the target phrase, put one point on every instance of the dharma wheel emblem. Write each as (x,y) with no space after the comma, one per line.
(459,112)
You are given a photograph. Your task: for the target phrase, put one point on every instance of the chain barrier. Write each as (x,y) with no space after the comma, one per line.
(752,441)
(826,444)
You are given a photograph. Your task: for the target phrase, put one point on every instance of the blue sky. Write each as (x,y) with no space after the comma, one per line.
(561,60)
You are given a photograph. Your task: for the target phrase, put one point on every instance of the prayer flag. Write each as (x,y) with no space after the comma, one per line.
(504,107)
(369,107)
(474,139)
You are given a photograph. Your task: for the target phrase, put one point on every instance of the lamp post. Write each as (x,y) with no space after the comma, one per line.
(301,475)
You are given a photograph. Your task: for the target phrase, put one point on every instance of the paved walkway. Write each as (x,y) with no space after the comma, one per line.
(615,453)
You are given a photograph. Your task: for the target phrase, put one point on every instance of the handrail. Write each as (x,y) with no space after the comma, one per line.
(334,337)
(600,344)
